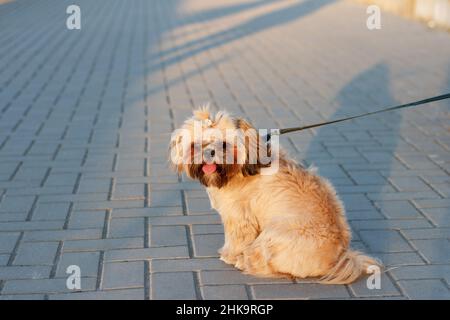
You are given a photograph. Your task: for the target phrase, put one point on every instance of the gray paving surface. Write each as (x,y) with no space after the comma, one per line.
(84,122)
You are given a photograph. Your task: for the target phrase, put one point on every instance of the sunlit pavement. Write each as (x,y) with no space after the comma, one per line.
(86,115)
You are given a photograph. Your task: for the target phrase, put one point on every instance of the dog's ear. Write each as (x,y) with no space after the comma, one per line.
(242,124)
(252,142)
(176,151)
(251,169)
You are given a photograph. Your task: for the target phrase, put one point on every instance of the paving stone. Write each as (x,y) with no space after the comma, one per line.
(435,250)
(27,191)
(231,292)
(51,211)
(31,225)
(147,212)
(16,204)
(364,215)
(102,244)
(36,253)
(438,271)
(196,194)
(8,241)
(409,184)
(79,200)
(439,216)
(233,277)
(197,206)
(103,205)
(173,285)
(44,286)
(206,245)
(408,196)
(130,165)
(31,174)
(13,217)
(368,188)
(356,202)
(87,262)
(24,272)
(367,177)
(61,179)
(87,219)
(94,185)
(120,294)
(398,209)
(384,241)
(299,291)
(427,233)
(418,162)
(119,275)
(22,297)
(123,228)
(331,171)
(175,265)
(377,156)
(432,203)
(165,198)
(185,220)
(399,258)
(4,258)
(362,289)
(207,229)
(443,189)
(391,224)
(60,235)
(168,236)
(147,253)
(343,152)
(129,191)
(425,289)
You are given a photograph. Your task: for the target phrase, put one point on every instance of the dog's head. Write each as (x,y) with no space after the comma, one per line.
(217,149)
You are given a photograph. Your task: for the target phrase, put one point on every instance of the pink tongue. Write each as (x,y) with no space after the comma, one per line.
(209,168)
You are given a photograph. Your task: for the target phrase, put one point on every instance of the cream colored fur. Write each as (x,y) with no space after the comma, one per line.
(289,224)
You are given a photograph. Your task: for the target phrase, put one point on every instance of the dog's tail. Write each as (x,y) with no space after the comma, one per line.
(350,266)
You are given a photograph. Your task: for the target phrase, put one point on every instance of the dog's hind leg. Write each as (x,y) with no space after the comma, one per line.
(256,259)
(240,232)
(279,252)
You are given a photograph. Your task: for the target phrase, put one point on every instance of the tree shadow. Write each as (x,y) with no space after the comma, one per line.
(223,11)
(260,23)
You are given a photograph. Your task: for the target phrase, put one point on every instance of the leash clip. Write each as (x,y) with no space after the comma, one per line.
(272,132)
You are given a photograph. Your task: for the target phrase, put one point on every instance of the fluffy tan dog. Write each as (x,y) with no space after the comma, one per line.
(286,224)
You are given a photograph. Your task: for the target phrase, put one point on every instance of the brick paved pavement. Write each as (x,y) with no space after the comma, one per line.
(84,123)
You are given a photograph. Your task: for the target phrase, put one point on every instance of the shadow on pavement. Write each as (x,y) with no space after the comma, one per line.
(353,154)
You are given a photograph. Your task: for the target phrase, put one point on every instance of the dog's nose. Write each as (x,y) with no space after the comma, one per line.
(208,154)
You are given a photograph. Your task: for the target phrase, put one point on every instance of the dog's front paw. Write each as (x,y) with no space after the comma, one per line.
(240,264)
(226,256)
(229,259)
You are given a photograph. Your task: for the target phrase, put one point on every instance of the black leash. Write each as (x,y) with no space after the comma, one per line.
(407,105)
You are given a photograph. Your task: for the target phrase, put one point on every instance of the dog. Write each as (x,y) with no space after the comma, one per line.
(289,223)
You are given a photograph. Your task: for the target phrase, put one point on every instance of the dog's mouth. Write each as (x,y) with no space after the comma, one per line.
(209,168)
(213,174)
